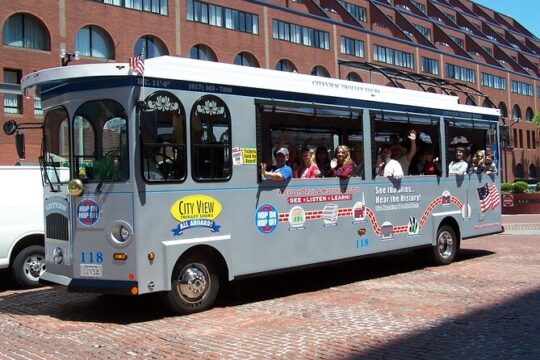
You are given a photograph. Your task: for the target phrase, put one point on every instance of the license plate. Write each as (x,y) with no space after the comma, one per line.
(93,271)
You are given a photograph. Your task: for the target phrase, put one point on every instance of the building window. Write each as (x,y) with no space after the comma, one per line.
(451,17)
(528,139)
(301,35)
(352,76)
(533,139)
(358,12)
(430,66)
(219,16)
(12,102)
(155,6)
(424,30)
(458,41)
(26,31)
(38,110)
(246,59)
(522,88)
(94,41)
(460,73)
(520,138)
(153,47)
(285,65)
(529,114)
(420,6)
(202,52)
(393,57)
(352,47)
(516,144)
(493,81)
(320,71)
(488,50)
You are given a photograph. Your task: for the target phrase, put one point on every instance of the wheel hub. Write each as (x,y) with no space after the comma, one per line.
(445,244)
(193,283)
(34,267)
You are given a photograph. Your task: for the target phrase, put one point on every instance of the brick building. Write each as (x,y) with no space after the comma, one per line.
(446,46)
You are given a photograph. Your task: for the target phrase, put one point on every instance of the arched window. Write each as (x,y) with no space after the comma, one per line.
(26,31)
(399,85)
(285,65)
(488,103)
(519,171)
(211,139)
(516,113)
(431,90)
(246,59)
(153,47)
(352,76)
(470,101)
(529,114)
(163,137)
(320,71)
(532,171)
(202,52)
(503,109)
(93,41)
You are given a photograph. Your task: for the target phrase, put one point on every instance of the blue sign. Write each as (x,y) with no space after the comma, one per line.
(88,212)
(266,219)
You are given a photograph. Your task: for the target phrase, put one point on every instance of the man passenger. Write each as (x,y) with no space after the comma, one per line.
(282,172)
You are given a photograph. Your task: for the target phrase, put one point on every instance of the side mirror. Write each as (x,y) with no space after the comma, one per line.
(19,144)
(10,127)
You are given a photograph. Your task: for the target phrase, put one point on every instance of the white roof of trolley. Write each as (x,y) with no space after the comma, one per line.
(177,68)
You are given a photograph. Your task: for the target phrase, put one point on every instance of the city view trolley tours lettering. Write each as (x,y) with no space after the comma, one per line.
(196,173)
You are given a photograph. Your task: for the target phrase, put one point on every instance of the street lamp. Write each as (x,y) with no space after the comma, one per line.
(67,57)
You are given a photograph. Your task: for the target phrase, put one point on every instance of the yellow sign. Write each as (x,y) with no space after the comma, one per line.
(196,207)
(250,156)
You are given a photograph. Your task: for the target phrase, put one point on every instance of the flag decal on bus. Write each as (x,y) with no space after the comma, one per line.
(489,197)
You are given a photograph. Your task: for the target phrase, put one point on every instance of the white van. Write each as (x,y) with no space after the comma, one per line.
(21,223)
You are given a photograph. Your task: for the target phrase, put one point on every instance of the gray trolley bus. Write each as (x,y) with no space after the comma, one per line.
(153,184)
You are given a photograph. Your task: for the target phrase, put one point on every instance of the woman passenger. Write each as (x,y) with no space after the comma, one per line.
(308,168)
(321,158)
(342,165)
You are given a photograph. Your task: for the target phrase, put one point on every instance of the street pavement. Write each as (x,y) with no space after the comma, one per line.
(486,305)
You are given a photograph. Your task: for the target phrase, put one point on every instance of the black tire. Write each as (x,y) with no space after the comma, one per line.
(194,285)
(28,266)
(446,246)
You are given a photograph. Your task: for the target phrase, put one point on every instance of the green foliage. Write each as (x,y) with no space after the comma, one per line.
(536,119)
(506,187)
(520,187)
(105,168)
(538,186)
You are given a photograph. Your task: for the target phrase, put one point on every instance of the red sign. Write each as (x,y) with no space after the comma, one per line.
(508,200)
(319,198)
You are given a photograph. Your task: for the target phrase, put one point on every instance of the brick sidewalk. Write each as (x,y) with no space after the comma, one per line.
(485,306)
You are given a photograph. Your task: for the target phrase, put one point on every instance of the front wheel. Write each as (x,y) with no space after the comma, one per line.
(28,266)
(446,246)
(195,285)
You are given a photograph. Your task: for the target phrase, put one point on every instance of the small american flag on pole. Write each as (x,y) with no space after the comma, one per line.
(136,64)
(489,197)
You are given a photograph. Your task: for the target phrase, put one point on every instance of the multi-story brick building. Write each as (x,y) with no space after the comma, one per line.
(446,46)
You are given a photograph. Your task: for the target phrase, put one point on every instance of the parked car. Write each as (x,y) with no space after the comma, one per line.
(21,223)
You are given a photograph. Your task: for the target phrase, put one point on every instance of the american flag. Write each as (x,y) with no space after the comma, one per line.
(489,197)
(136,64)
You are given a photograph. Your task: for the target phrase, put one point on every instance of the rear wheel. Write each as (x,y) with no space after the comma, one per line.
(28,266)
(446,246)
(195,285)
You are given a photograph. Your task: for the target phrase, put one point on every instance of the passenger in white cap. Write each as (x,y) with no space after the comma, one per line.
(283,171)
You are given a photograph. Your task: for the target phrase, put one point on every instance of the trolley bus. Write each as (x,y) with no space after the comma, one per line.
(152,183)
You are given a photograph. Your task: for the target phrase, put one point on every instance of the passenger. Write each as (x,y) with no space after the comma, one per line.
(358,158)
(388,166)
(477,165)
(432,165)
(401,154)
(322,160)
(283,171)
(490,166)
(458,166)
(294,159)
(342,165)
(308,168)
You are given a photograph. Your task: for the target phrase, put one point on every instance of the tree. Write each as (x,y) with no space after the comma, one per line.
(536,119)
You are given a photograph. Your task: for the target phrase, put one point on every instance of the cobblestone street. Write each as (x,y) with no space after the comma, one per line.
(483,306)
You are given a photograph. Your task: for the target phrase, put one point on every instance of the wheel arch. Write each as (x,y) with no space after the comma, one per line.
(23,243)
(210,253)
(451,222)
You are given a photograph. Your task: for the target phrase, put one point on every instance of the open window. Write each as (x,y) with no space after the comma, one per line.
(472,135)
(396,130)
(297,126)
